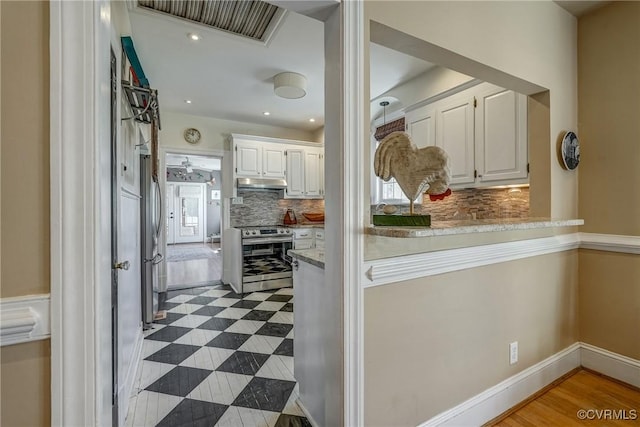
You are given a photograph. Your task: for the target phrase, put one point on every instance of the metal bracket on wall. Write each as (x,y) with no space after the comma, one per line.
(143,102)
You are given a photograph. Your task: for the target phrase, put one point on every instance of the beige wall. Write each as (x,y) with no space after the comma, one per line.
(431,343)
(25,382)
(610,301)
(609,128)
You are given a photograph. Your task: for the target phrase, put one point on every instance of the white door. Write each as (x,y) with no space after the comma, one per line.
(185,213)
(455,135)
(273,161)
(501,135)
(421,125)
(248,159)
(312,159)
(295,173)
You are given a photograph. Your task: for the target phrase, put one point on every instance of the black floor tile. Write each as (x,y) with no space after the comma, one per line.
(259,315)
(246,304)
(189,291)
(232,294)
(171,317)
(287,307)
(173,353)
(228,340)
(275,329)
(168,333)
(194,413)
(224,288)
(168,305)
(217,324)
(280,298)
(201,300)
(179,381)
(243,362)
(285,348)
(266,394)
(285,420)
(209,310)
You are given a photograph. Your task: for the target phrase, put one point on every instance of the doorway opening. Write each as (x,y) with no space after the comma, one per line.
(193,212)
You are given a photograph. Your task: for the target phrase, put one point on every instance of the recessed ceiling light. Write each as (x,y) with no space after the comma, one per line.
(312,120)
(193,36)
(266,113)
(187,101)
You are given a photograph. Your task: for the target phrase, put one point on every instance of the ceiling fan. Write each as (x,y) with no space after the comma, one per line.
(187,165)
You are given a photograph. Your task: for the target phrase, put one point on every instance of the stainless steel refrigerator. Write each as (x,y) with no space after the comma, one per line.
(151,226)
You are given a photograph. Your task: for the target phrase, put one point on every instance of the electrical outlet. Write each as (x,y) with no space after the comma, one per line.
(237,201)
(513,353)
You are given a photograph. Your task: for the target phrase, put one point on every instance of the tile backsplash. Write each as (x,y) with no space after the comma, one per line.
(484,202)
(267,208)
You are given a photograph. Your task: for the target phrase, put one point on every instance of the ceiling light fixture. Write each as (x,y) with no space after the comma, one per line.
(290,85)
(193,36)
(187,101)
(266,113)
(312,120)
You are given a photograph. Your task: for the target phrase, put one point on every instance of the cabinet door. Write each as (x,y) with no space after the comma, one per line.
(295,173)
(421,125)
(455,135)
(312,172)
(501,136)
(248,159)
(273,161)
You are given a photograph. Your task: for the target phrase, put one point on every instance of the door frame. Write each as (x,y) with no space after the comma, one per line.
(80,38)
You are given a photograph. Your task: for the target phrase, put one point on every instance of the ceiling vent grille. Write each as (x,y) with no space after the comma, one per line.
(251,19)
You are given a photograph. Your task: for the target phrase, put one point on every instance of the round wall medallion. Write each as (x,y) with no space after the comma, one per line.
(192,135)
(570,151)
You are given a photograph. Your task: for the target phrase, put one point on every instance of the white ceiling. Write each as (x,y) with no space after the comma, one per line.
(580,7)
(197,162)
(231,78)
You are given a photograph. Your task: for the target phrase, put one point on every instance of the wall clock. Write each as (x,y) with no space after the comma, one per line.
(570,151)
(192,135)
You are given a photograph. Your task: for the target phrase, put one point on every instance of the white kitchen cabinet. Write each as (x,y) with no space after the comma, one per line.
(501,135)
(313,161)
(421,126)
(295,173)
(319,238)
(259,160)
(303,238)
(305,173)
(455,134)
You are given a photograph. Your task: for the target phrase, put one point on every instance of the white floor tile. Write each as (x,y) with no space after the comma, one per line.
(258,296)
(220,387)
(278,367)
(207,358)
(290,334)
(236,416)
(245,326)
(185,308)
(282,317)
(198,337)
(152,371)
(261,344)
(270,306)
(217,293)
(181,298)
(150,408)
(233,313)
(285,291)
(224,302)
(191,321)
(151,346)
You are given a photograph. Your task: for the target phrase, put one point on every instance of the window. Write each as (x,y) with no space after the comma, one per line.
(387,191)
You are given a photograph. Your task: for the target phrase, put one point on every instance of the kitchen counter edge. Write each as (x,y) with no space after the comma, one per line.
(447,228)
(310,256)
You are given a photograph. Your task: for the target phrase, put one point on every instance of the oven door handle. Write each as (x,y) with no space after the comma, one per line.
(266,241)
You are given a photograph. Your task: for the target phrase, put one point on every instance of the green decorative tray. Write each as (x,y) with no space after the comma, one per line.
(403,220)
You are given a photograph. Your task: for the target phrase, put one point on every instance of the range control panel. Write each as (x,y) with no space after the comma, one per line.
(265,232)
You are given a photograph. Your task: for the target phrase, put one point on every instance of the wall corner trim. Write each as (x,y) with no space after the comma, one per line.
(24,319)
(610,243)
(611,364)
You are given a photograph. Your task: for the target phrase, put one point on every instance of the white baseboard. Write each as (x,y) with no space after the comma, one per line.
(505,395)
(24,319)
(611,364)
(127,389)
(306,414)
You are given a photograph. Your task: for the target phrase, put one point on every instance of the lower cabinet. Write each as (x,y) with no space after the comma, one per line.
(303,238)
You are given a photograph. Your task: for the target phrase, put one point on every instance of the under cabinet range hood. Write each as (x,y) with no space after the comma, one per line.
(263,184)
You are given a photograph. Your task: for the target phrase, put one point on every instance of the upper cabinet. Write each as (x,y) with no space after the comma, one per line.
(483,129)
(300,163)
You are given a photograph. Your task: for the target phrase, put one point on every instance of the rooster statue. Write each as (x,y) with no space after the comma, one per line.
(413,168)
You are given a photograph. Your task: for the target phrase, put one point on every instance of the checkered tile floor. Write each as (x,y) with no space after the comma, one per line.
(219,359)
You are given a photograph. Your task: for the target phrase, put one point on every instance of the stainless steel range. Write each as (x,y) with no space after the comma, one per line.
(264,263)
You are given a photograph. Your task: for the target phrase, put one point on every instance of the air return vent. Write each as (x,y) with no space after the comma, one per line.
(255,20)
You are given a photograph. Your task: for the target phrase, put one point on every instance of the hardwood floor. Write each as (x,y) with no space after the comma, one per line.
(195,271)
(585,398)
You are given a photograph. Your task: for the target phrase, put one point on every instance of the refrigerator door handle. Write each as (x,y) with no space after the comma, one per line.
(157,259)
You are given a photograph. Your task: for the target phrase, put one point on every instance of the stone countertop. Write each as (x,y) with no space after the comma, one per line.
(447,228)
(311,256)
(305,225)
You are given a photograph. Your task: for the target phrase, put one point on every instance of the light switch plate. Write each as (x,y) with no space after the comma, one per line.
(237,201)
